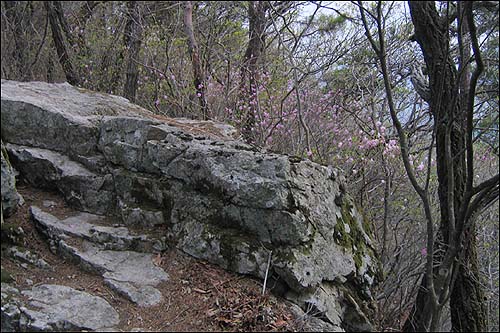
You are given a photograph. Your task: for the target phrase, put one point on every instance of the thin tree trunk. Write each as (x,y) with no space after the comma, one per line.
(198,73)
(18,20)
(57,36)
(64,23)
(467,298)
(255,49)
(133,35)
(431,32)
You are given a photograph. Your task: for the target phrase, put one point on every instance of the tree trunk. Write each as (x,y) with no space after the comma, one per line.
(467,302)
(431,32)
(19,21)
(132,38)
(198,73)
(57,36)
(467,299)
(257,24)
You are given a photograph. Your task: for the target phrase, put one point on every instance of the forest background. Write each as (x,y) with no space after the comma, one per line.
(403,97)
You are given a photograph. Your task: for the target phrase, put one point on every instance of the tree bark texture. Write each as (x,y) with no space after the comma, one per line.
(133,39)
(467,298)
(57,37)
(431,32)
(194,52)
(250,70)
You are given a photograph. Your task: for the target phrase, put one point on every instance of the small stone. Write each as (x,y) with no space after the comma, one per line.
(48,204)
(57,308)
(141,295)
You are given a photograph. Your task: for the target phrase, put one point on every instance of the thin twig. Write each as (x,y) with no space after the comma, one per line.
(267,271)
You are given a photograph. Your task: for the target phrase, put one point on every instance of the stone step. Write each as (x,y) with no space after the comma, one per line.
(124,260)
(131,274)
(93,228)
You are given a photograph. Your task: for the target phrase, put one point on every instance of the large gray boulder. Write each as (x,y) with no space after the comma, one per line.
(212,196)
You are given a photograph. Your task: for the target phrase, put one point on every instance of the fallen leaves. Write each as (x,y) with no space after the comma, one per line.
(244,309)
(157,259)
(201,291)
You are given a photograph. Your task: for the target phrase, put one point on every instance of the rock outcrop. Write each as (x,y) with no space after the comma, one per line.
(194,184)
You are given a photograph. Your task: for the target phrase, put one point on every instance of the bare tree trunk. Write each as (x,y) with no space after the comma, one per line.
(198,73)
(132,38)
(467,298)
(255,49)
(431,32)
(18,20)
(64,23)
(451,258)
(57,36)
(467,302)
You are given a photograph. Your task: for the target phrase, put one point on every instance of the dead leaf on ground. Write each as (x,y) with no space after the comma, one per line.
(201,291)
(157,260)
(212,312)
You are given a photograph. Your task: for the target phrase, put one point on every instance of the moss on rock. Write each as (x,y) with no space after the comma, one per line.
(12,234)
(352,234)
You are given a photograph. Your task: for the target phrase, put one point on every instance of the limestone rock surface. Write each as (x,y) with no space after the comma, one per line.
(212,196)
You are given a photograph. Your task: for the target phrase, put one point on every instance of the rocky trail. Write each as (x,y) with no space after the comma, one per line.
(79,271)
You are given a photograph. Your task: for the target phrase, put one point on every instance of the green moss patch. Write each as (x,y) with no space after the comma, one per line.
(349,235)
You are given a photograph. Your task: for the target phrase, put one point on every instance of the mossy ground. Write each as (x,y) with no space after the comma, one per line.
(5,276)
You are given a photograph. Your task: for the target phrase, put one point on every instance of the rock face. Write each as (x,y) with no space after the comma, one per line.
(211,196)
(10,197)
